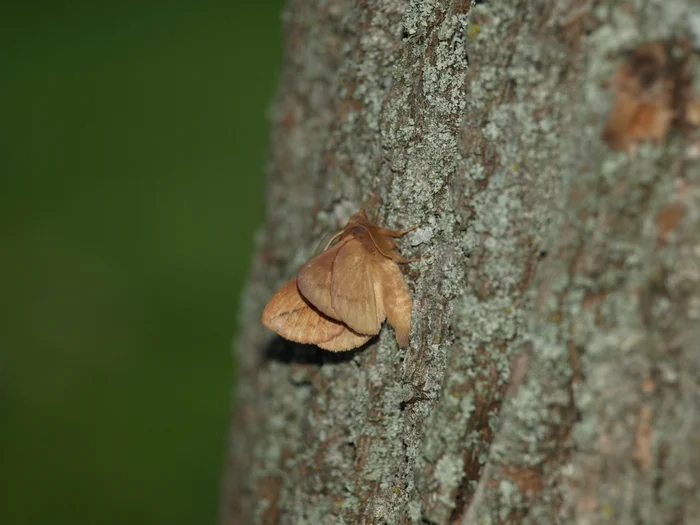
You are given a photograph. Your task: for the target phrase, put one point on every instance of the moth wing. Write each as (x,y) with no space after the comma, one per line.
(288,314)
(314,280)
(346,340)
(396,298)
(353,295)
(651,121)
(617,129)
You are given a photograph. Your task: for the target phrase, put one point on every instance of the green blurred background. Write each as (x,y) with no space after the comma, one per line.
(133,140)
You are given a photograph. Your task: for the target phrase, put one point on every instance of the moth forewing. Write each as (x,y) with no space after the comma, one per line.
(352,288)
(288,314)
(314,279)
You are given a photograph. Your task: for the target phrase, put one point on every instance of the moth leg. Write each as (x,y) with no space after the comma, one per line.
(398,233)
(401,259)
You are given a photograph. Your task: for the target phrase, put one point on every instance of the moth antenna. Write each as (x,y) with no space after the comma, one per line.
(333,238)
(387,255)
(316,251)
(393,255)
(319,245)
(376,221)
(381,230)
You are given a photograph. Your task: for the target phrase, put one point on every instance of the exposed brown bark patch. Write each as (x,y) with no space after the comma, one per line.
(668,219)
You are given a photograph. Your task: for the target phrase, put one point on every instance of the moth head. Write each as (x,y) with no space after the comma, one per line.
(358,219)
(370,234)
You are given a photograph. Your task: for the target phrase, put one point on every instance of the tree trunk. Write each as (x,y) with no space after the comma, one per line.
(554,365)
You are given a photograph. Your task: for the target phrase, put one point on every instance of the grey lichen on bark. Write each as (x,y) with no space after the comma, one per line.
(554,363)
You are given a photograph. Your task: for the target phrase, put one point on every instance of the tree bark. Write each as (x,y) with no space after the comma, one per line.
(554,365)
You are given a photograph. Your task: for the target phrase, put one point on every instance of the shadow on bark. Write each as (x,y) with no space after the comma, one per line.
(290,353)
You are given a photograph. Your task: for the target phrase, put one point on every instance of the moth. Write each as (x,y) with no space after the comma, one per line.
(340,298)
(653,92)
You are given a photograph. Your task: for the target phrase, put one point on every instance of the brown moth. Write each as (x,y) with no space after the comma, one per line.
(653,92)
(341,297)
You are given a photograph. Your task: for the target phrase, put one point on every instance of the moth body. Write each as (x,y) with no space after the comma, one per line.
(340,298)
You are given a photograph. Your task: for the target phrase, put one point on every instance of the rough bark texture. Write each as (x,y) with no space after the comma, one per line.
(553,374)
